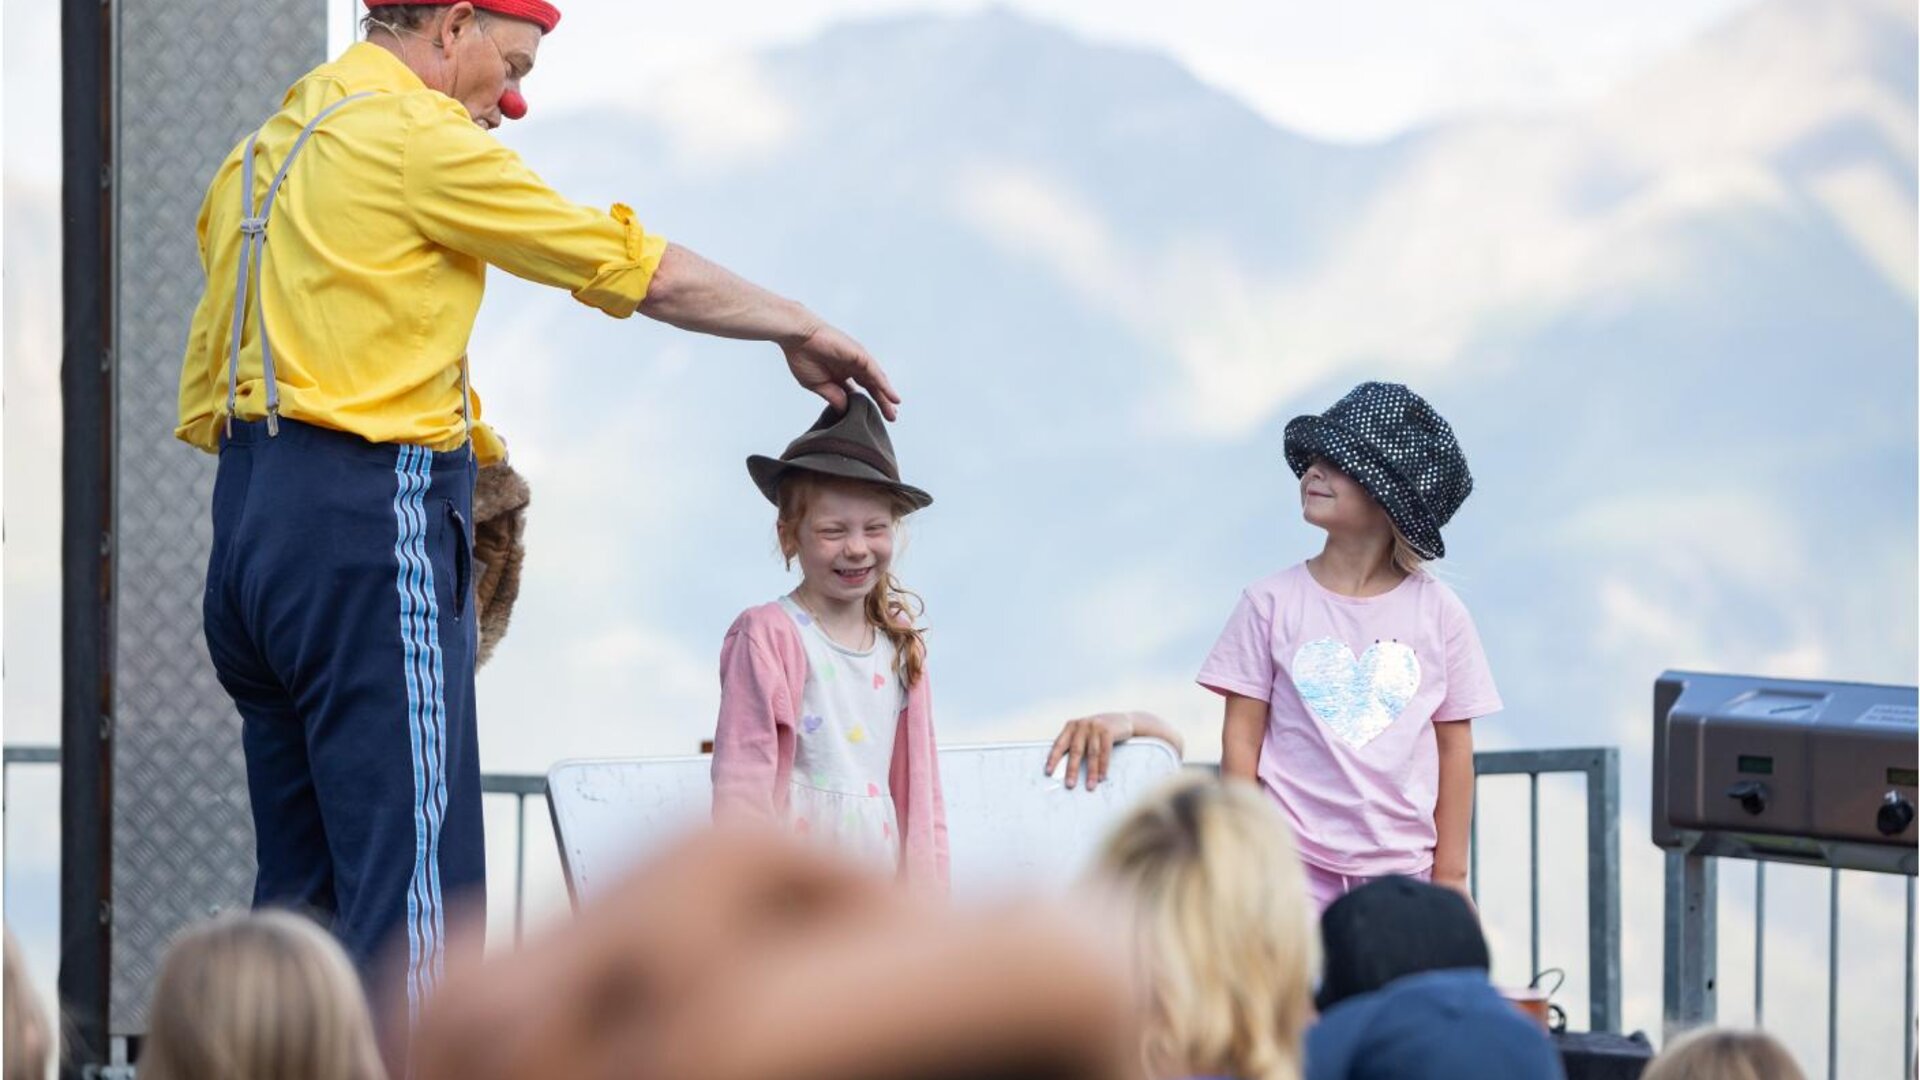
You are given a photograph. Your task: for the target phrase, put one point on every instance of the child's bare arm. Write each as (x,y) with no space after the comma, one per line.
(1453,808)
(1245,729)
(1092,738)
(1148,725)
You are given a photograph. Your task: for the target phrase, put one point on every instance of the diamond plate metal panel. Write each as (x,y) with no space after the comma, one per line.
(194,77)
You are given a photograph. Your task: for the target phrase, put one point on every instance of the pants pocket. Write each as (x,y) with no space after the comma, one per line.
(462,559)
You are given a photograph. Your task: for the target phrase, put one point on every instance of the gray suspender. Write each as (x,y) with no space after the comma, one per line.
(253,255)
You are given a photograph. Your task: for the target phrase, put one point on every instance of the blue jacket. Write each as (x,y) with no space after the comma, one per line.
(1437,1025)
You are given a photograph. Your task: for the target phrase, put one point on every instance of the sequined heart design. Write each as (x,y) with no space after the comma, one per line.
(879,680)
(811,724)
(1356,699)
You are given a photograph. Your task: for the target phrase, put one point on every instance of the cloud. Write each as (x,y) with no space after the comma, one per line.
(636,689)
(722,117)
(1029,214)
(1877,215)
(1134,613)
(1764,81)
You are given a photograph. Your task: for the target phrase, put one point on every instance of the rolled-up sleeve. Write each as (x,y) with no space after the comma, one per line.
(469,193)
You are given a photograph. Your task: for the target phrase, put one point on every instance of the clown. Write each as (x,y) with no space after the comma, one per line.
(346,246)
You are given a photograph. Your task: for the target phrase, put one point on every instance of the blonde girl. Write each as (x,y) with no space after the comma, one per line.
(1352,679)
(262,994)
(1206,873)
(826,720)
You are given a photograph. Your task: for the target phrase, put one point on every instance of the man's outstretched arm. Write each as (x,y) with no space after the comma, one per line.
(694,293)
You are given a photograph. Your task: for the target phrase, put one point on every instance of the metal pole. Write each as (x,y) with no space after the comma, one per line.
(519,865)
(1473,845)
(86,538)
(1833,974)
(1906,1018)
(1759,943)
(1603,890)
(1692,900)
(1533,872)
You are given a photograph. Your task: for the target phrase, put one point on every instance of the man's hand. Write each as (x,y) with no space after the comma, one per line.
(825,360)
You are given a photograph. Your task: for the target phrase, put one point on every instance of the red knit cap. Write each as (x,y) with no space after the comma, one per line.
(538,12)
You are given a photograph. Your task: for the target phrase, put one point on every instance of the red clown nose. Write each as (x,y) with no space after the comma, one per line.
(512,105)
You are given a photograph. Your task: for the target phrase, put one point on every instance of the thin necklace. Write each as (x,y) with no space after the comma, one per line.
(821,623)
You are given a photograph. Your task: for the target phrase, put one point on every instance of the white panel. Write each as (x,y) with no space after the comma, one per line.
(1009,826)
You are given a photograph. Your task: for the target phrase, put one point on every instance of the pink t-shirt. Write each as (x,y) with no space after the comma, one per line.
(1353,688)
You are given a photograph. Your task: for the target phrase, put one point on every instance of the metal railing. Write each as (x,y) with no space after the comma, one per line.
(1691,971)
(517,785)
(1599,765)
(24,755)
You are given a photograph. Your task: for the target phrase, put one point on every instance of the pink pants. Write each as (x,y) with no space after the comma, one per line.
(1325,886)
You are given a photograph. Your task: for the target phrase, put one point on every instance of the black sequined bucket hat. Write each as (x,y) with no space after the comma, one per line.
(1391,442)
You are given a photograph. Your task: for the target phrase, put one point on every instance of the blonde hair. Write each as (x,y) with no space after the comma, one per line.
(1405,558)
(262,994)
(891,608)
(1724,1054)
(29,1047)
(1223,928)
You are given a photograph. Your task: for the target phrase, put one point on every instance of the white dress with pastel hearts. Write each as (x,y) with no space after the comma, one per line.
(849,712)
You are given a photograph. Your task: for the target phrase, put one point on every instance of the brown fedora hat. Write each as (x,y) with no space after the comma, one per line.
(852,445)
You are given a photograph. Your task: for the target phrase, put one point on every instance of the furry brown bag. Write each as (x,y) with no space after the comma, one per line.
(500,498)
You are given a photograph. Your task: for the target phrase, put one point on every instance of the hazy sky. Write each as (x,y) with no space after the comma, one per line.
(1359,70)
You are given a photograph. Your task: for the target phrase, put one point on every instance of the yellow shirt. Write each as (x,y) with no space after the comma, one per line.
(376,259)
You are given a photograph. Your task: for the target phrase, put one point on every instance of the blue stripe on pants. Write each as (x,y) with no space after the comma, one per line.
(419,634)
(337,617)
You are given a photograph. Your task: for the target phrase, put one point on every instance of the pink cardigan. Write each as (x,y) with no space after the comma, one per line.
(763,669)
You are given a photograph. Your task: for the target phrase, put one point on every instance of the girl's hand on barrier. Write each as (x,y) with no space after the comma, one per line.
(1089,739)
(1092,738)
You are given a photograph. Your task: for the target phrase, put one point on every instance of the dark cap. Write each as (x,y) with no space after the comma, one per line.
(1393,927)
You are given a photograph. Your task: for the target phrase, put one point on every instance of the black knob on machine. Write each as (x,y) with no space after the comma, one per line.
(1752,795)
(1896,813)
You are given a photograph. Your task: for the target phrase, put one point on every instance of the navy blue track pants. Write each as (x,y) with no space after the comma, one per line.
(339,616)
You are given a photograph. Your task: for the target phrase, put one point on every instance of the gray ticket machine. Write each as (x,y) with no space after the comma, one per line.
(1774,770)
(1786,770)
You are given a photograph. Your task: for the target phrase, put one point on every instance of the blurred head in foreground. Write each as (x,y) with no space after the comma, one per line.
(745,955)
(29,1040)
(1724,1054)
(1206,873)
(265,993)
